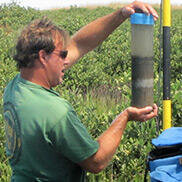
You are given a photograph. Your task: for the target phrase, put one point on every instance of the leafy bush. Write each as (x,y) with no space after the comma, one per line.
(99,86)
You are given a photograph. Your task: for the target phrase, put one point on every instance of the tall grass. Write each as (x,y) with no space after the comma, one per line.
(99,86)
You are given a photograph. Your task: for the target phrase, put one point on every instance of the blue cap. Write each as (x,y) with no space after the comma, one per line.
(141,18)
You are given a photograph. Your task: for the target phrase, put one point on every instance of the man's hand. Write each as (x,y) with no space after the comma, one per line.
(142,114)
(133,7)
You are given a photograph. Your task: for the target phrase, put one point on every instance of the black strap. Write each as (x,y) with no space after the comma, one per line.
(146,170)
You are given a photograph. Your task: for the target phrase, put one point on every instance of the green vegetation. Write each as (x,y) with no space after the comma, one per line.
(99,86)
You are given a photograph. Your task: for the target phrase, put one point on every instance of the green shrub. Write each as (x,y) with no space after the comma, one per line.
(99,86)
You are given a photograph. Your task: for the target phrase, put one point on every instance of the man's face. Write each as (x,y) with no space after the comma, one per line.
(56,62)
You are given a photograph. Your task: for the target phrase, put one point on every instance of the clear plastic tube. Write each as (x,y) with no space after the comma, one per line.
(142,60)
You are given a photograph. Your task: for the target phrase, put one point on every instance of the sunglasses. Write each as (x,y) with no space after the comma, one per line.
(61,54)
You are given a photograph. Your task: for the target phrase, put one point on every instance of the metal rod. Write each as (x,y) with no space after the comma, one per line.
(166,64)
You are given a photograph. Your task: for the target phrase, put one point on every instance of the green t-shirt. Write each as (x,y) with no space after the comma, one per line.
(45,138)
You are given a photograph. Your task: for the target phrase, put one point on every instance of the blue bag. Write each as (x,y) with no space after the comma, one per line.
(165,161)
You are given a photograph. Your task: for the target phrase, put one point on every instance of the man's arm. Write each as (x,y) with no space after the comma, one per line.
(110,139)
(91,35)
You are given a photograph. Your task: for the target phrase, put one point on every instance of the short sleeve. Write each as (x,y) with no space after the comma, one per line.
(72,139)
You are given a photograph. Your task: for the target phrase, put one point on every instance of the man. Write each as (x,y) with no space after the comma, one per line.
(45,139)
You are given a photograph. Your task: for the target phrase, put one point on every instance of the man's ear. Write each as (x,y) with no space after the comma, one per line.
(42,57)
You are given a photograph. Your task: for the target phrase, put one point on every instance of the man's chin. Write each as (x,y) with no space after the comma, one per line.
(60,81)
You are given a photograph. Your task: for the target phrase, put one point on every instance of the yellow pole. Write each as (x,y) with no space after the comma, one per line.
(166,64)
(166,114)
(166,13)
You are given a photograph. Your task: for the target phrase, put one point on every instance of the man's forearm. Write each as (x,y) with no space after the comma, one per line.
(91,35)
(97,31)
(110,139)
(108,143)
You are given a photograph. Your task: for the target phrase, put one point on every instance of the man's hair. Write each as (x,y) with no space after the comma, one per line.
(40,34)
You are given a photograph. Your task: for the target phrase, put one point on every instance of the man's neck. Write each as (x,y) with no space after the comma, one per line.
(35,76)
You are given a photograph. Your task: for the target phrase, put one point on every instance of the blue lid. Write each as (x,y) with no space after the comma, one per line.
(141,18)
